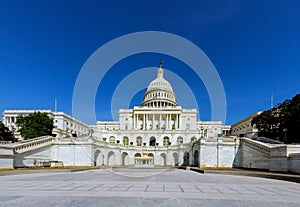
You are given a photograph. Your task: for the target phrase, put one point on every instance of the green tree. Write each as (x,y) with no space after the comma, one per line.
(35,125)
(281,122)
(267,124)
(292,120)
(5,133)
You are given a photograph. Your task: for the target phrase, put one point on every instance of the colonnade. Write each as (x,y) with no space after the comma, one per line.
(156,121)
(159,104)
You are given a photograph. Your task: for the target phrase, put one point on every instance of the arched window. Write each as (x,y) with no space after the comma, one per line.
(151,155)
(139,141)
(152,141)
(137,155)
(179,140)
(112,140)
(125,141)
(193,139)
(166,141)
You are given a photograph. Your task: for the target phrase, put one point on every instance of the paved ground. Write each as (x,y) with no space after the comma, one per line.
(136,187)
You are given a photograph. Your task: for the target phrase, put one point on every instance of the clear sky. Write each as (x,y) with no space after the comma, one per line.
(254,45)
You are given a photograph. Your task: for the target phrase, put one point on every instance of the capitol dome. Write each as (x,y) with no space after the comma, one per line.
(159,93)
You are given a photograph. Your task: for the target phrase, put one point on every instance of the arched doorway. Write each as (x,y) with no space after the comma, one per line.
(186,159)
(111,158)
(152,141)
(97,158)
(163,159)
(125,158)
(196,158)
(176,159)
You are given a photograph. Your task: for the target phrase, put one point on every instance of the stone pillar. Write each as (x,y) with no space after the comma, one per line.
(134,121)
(147,124)
(144,121)
(153,121)
(170,121)
(159,121)
(167,121)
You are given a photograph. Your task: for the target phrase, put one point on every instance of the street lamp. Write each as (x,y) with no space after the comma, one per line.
(201,134)
(285,140)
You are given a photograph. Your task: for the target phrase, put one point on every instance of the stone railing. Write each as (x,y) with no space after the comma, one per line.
(100,142)
(267,140)
(31,144)
(5,142)
(258,145)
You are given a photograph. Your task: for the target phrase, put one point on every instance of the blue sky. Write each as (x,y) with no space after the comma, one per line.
(254,45)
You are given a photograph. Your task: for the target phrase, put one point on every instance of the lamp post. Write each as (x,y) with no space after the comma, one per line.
(285,139)
(201,134)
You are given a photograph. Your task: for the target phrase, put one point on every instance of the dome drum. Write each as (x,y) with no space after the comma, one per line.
(159,93)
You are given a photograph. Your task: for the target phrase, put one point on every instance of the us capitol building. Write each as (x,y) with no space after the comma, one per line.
(158,128)
(159,121)
(159,132)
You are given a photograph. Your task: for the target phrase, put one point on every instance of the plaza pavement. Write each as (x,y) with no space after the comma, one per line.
(144,187)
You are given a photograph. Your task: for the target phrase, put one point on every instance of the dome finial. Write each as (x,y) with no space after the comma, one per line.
(160,71)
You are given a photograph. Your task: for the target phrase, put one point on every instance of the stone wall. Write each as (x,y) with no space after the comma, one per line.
(294,162)
(217,153)
(272,157)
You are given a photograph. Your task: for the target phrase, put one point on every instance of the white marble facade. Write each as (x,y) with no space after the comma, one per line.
(160,127)
(159,121)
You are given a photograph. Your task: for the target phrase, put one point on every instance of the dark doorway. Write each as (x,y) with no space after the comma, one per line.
(186,159)
(196,158)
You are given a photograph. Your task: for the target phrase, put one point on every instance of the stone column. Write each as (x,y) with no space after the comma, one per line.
(144,121)
(153,121)
(159,125)
(135,121)
(167,121)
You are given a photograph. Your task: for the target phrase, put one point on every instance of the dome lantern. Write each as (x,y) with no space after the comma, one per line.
(159,93)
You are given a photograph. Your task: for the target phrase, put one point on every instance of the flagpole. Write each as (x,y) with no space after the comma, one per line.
(272,101)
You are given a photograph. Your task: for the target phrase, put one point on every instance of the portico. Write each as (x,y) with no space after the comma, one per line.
(156,119)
